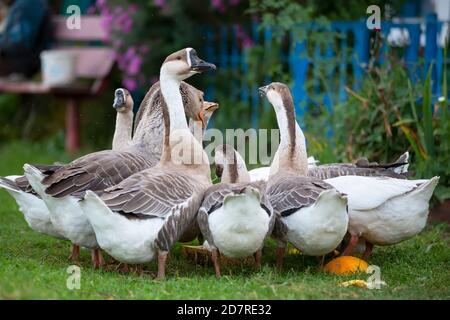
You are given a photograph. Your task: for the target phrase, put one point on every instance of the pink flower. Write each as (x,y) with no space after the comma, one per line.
(234,2)
(101,3)
(130,84)
(130,53)
(247,43)
(134,66)
(159,3)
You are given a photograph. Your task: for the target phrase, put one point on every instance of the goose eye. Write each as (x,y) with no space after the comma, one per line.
(178,58)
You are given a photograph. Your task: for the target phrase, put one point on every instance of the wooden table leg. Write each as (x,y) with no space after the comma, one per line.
(73,125)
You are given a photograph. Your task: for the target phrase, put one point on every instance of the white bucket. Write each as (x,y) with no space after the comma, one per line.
(58,67)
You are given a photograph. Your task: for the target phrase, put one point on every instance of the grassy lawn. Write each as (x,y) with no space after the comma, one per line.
(33,266)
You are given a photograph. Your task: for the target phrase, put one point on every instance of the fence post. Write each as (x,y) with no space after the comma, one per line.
(299,66)
(431,47)
(361,57)
(412,52)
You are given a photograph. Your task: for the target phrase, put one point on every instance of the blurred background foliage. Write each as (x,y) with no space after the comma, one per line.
(388,116)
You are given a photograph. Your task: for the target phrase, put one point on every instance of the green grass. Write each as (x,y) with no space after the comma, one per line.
(33,266)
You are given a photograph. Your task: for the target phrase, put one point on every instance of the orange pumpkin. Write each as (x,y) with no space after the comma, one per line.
(346,265)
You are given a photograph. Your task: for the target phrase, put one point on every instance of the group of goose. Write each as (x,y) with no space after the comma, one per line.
(138,199)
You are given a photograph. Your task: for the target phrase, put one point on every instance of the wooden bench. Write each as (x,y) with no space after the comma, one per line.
(93,63)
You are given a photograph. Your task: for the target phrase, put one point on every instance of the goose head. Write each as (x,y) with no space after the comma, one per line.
(184,64)
(207,111)
(278,95)
(123,102)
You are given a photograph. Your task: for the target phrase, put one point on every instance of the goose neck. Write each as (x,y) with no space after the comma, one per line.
(170,89)
(291,153)
(123,131)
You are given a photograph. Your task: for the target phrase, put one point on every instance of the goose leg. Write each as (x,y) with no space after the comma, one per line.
(367,251)
(122,267)
(101,261)
(97,258)
(351,246)
(162,258)
(321,260)
(140,269)
(215,260)
(75,253)
(280,257)
(258,259)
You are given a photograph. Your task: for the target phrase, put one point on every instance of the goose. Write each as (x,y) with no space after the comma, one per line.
(62,188)
(362,167)
(311,214)
(145,214)
(235,217)
(383,210)
(34,209)
(123,104)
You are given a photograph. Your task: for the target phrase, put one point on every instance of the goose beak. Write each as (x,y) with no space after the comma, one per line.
(119,100)
(199,65)
(210,106)
(263,91)
(201,115)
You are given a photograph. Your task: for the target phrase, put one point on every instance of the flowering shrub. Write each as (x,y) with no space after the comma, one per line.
(142,32)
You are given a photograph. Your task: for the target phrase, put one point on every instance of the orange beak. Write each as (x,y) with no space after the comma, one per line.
(201,115)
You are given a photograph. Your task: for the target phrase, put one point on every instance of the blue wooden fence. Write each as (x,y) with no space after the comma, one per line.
(352,51)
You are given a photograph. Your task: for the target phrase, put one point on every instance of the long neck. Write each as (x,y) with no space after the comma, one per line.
(124,127)
(235,170)
(187,151)
(170,89)
(291,154)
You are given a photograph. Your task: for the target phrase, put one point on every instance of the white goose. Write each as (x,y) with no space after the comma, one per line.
(383,210)
(311,214)
(34,209)
(62,189)
(147,213)
(236,216)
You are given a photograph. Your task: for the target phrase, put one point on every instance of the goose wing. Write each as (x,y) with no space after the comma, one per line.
(366,193)
(333,170)
(157,193)
(21,183)
(288,194)
(95,171)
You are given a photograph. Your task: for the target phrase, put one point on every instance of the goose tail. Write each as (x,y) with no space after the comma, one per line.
(425,190)
(9,184)
(35,177)
(246,193)
(95,210)
(332,196)
(404,160)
